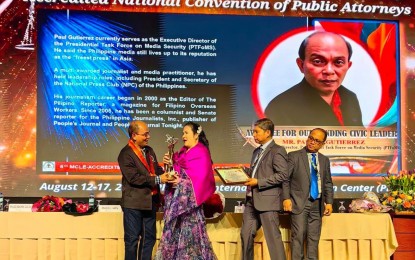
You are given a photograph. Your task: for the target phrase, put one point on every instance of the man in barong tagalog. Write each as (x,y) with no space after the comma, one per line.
(184,234)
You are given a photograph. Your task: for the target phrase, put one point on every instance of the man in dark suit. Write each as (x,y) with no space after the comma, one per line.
(324,59)
(141,175)
(263,199)
(308,194)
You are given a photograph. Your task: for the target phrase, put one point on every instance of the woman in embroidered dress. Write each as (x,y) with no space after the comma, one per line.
(184,234)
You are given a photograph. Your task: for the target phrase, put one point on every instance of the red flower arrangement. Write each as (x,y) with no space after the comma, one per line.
(82,207)
(214,206)
(48,204)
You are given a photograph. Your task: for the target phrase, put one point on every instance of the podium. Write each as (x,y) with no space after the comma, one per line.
(405,233)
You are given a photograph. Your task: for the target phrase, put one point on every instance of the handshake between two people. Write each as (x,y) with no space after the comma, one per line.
(170,175)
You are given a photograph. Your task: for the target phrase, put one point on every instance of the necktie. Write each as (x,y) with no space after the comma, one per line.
(258,152)
(314,184)
(145,156)
(254,164)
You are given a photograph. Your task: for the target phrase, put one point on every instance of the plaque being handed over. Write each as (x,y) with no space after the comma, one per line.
(232,175)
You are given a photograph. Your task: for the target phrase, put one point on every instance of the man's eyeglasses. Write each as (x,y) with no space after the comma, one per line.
(145,134)
(312,139)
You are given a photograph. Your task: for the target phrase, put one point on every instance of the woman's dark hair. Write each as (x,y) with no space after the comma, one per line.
(197,129)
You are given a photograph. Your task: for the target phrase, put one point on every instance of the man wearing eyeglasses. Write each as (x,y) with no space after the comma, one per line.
(308,194)
(141,175)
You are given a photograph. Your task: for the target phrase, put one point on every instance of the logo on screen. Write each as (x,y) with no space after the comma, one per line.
(48,166)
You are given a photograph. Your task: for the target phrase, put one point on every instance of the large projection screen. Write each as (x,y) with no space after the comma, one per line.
(76,75)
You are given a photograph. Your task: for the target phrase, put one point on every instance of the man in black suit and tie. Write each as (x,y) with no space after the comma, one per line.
(308,194)
(141,175)
(263,199)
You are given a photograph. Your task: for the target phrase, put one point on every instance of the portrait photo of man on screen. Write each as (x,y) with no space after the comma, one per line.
(324,59)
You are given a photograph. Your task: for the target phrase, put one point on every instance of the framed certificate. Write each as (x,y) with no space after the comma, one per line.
(232,175)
